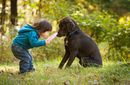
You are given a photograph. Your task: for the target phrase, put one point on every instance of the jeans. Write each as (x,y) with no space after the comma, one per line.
(25,58)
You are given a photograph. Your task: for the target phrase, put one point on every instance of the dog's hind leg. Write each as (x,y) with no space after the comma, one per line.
(89,61)
(84,61)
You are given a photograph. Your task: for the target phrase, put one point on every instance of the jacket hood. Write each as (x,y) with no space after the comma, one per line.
(27,28)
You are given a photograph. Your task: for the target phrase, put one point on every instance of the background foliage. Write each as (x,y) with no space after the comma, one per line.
(106,21)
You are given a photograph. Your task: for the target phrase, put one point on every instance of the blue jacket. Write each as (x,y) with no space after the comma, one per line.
(28,38)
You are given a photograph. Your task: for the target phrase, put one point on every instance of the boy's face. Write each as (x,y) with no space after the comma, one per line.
(45,34)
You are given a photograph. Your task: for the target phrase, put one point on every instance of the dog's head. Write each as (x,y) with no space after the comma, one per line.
(66,26)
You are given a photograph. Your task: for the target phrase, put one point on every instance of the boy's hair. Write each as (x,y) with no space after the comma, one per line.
(42,26)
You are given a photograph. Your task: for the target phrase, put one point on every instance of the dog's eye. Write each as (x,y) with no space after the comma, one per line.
(61,26)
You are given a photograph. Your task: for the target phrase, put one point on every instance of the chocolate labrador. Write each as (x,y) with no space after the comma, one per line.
(77,44)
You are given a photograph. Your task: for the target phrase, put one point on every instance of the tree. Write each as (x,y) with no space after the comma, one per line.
(3,12)
(2,20)
(14,14)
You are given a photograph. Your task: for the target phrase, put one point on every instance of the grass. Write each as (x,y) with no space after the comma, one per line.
(47,73)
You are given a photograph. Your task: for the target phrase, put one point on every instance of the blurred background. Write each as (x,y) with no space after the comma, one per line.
(106,21)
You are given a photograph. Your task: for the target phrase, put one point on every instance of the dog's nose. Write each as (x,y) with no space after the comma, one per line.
(58,34)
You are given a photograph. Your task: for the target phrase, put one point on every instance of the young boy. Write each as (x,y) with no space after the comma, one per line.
(28,38)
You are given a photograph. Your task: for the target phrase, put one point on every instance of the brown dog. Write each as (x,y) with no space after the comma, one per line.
(78,44)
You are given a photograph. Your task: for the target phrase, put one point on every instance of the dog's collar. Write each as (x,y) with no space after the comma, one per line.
(71,33)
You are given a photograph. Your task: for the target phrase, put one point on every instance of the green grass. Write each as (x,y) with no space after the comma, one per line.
(47,73)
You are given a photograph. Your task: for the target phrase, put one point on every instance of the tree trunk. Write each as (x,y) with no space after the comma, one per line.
(3,12)
(14,13)
(2,21)
(39,8)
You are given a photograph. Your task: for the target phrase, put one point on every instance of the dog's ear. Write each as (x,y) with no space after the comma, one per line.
(70,25)
(67,24)
(74,22)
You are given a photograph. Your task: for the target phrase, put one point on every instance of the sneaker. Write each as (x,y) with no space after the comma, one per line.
(31,70)
(22,72)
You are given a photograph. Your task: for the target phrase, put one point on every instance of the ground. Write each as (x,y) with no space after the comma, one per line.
(47,73)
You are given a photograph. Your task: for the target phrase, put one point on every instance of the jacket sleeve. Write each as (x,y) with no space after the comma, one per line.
(33,40)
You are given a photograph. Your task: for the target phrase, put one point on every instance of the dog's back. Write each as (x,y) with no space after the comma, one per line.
(87,47)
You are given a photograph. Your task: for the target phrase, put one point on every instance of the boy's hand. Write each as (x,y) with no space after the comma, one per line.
(47,42)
